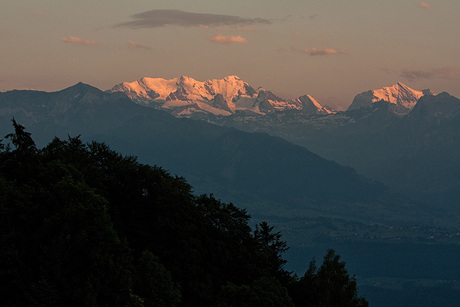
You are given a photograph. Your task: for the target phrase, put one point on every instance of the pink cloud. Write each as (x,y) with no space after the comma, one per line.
(321,52)
(222,39)
(77,41)
(140,46)
(424,5)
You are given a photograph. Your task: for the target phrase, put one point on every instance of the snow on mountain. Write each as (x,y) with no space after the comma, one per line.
(187,97)
(402,96)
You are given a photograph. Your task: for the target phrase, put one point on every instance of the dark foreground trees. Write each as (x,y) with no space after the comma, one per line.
(328,285)
(82,225)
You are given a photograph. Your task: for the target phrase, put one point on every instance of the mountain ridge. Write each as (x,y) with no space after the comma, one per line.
(184,97)
(264,173)
(399,94)
(376,140)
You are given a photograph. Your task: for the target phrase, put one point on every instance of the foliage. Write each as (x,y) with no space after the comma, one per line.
(153,282)
(82,225)
(263,292)
(271,250)
(328,285)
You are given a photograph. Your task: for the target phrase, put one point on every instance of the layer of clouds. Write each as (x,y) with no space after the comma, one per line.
(320,52)
(452,73)
(424,5)
(222,39)
(162,18)
(77,41)
(139,46)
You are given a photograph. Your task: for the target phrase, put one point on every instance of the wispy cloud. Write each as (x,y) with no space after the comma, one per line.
(237,28)
(452,73)
(225,40)
(424,5)
(77,41)
(162,18)
(139,46)
(320,52)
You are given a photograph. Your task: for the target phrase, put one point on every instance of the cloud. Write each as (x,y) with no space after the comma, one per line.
(139,46)
(424,5)
(452,73)
(77,41)
(225,40)
(320,52)
(237,28)
(162,18)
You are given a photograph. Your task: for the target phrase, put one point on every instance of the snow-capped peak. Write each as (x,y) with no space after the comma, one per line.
(185,97)
(399,94)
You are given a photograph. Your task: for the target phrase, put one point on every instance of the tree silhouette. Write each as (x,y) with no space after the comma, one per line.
(327,286)
(82,225)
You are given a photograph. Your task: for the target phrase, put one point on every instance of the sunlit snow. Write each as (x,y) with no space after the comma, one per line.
(181,91)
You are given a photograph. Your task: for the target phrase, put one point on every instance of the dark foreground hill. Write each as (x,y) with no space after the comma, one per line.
(82,225)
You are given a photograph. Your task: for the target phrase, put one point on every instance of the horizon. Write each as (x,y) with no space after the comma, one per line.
(344,108)
(331,51)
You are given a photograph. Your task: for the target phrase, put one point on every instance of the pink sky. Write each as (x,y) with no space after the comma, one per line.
(329,49)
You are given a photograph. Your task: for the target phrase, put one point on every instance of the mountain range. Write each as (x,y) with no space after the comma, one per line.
(413,151)
(391,135)
(187,97)
(266,174)
(388,134)
(379,182)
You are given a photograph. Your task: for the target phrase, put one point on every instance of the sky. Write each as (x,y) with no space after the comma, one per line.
(331,50)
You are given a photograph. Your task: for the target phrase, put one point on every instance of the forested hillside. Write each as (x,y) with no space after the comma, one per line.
(83,225)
